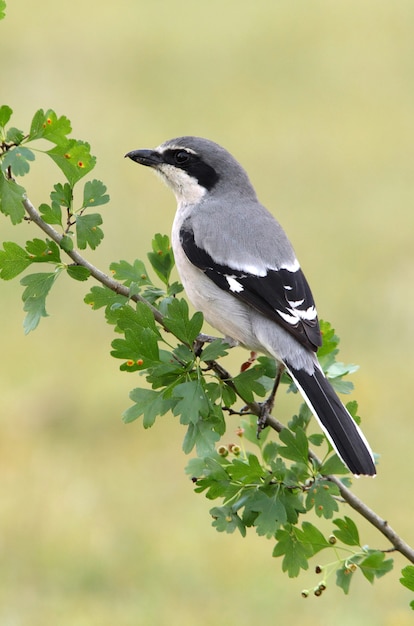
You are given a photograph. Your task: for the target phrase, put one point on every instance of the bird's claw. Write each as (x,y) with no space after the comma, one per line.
(265,410)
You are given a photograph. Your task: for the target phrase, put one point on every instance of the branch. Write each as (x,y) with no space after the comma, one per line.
(255,408)
(349,497)
(101,277)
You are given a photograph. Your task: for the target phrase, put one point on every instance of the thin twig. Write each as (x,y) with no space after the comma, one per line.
(254,407)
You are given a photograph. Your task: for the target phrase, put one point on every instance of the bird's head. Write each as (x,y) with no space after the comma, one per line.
(194,167)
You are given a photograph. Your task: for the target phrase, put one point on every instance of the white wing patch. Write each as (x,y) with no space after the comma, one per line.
(294,315)
(294,266)
(234,284)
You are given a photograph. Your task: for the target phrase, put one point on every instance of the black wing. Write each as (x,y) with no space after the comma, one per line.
(282,295)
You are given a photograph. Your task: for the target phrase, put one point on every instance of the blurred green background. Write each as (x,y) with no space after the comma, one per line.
(98,523)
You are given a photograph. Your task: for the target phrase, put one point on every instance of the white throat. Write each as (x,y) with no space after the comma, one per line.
(187,189)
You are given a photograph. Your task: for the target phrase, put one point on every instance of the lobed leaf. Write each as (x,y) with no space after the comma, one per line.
(17,159)
(407,578)
(94,194)
(88,232)
(201,435)
(312,537)
(161,258)
(73,158)
(51,214)
(322,496)
(271,512)
(214,350)
(227,520)
(192,401)
(148,403)
(247,383)
(128,273)
(47,125)
(34,297)
(348,532)
(5,111)
(296,445)
(333,465)
(375,565)
(11,199)
(13,260)
(62,195)
(15,136)
(43,251)
(77,272)
(179,323)
(295,553)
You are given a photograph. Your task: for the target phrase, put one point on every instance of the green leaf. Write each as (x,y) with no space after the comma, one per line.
(34,297)
(201,435)
(333,465)
(148,403)
(322,497)
(11,199)
(293,504)
(162,258)
(66,243)
(62,195)
(46,125)
(73,158)
(375,565)
(179,323)
(139,319)
(175,288)
(343,578)
(407,580)
(78,272)
(348,532)
(14,135)
(270,451)
(128,274)
(51,214)
(214,350)
(226,520)
(329,340)
(43,251)
(88,232)
(2,9)
(296,445)
(13,260)
(99,297)
(94,194)
(18,160)
(312,537)
(141,336)
(408,577)
(5,111)
(192,403)
(140,345)
(271,512)
(213,477)
(295,554)
(316,439)
(247,384)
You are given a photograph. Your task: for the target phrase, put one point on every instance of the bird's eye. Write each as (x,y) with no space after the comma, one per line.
(181,157)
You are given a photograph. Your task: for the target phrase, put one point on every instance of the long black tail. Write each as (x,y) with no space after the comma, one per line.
(338,425)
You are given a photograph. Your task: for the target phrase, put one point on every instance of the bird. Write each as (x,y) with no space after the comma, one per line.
(240,270)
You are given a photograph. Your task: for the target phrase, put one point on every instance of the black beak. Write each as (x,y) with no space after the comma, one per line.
(151,158)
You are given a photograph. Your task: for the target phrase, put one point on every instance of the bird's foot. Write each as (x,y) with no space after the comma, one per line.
(265,411)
